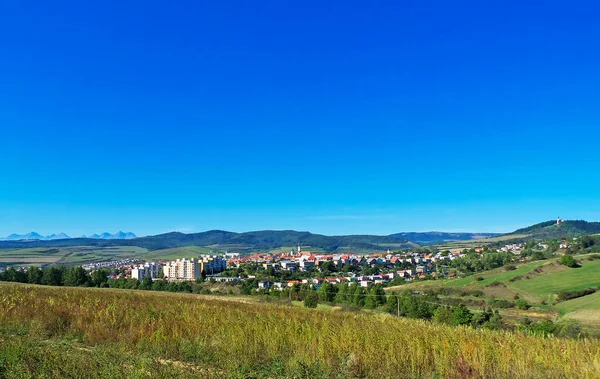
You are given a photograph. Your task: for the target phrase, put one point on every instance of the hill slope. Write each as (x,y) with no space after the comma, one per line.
(550,229)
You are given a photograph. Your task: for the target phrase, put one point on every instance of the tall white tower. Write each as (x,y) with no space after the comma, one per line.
(299,248)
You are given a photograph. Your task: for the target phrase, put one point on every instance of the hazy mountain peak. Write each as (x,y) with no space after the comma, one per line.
(60,236)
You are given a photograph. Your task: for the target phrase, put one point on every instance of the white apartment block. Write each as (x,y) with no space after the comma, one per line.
(150,269)
(191,269)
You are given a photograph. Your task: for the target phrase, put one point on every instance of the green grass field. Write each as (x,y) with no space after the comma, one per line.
(461,245)
(34,256)
(536,282)
(68,256)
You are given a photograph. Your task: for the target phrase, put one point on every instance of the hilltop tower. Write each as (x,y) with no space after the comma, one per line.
(558,221)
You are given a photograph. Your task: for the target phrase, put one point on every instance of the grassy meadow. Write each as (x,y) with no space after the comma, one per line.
(85,332)
(536,282)
(32,256)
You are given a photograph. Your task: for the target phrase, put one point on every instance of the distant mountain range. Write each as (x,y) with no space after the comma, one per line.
(271,239)
(250,241)
(63,236)
(116,236)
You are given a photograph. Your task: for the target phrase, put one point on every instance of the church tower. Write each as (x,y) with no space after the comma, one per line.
(299,250)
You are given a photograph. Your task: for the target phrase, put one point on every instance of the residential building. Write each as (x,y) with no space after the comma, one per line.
(150,269)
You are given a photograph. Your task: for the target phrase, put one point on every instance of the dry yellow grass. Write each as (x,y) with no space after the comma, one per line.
(285,341)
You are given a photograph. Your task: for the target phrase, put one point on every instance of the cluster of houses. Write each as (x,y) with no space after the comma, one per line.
(515,248)
(111,264)
(414,266)
(420,272)
(304,261)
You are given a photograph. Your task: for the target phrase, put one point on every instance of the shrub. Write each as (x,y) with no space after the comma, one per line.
(522,304)
(568,295)
(443,315)
(461,315)
(311,300)
(510,267)
(569,328)
(495,283)
(479,278)
(568,261)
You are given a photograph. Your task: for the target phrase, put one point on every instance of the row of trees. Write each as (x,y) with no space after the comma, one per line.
(56,276)
(79,277)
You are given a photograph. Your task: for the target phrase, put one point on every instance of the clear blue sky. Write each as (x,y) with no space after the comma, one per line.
(333,117)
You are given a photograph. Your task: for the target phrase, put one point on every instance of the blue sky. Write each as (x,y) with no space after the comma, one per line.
(333,117)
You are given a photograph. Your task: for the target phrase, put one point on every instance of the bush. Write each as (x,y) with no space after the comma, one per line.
(443,315)
(510,267)
(568,261)
(461,315)
(479,278)
(568,295)
(569,328)
(495,284)
(311,300)
(522,304)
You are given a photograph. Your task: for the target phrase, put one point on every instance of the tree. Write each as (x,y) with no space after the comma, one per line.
(358,295)
(52,276)
(311,300)
(461,315)
(34,275)
(568,261)
(378,295)
(392,303)
(522,304)
(159,285)
(327,267)
(443,315)
(327,292)
(76,276)
(341,296)
(146,283)
(99,278)
(538,256)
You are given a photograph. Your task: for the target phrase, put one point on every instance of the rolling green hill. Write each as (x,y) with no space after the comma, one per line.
(259,240)
(550,229)
(538,283)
